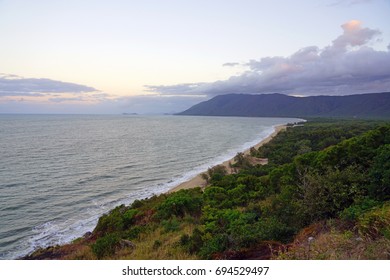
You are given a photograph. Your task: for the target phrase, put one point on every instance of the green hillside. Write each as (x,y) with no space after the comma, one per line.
(363,106)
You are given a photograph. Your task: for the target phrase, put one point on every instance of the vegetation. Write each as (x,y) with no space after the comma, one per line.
(324,195)
(364,106)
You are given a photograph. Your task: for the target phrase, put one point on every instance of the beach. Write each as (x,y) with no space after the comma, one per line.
(198,181)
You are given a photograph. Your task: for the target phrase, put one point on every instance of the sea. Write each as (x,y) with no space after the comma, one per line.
(60,173)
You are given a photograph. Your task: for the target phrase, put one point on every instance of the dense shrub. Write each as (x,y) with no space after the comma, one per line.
(180,203)
(111,222)
(106,246)
(192,244)
(216,173)
(375,223)
(170,225)
(353,212)
(380,174)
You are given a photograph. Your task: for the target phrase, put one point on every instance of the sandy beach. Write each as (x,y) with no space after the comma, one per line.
(198,181)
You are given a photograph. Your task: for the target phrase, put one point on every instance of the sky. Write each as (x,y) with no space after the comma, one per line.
(153,56)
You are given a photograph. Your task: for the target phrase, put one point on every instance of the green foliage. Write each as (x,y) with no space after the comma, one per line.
(216,173)
(111,222)
(106,246)
(129,217)
(118,219)
(283,199)
(180,203)
(313,136)
(216,197)
(242,161)
(192,244)
(274,229)
(357,209)
(137,204)
(380,174)
(253,152)
(327,193)
(171,225)
(216,243)
(134,232)
(375,223)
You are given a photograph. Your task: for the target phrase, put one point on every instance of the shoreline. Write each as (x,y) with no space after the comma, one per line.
(198,181)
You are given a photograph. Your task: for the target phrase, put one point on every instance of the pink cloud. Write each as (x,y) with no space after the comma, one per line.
(348,65)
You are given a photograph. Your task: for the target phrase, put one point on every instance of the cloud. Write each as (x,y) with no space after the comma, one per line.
(12,85)
(353,36)
(28,95)
(348,65)
(91,98)
(230,64)
(349,2)
(174,89)
(66,99)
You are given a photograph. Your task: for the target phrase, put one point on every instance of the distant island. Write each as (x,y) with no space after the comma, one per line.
(361,106)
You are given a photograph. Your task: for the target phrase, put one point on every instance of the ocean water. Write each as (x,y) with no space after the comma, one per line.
(59,173)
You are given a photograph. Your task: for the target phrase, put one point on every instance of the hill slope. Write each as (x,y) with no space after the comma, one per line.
(374,105)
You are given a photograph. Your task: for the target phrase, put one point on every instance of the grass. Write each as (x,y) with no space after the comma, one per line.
(366,239)
(158,244)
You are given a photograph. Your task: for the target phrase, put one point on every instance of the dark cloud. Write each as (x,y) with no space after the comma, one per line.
(348,65)
(12,85)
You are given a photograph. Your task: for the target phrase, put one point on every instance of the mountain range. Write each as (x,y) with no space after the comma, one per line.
(370,105)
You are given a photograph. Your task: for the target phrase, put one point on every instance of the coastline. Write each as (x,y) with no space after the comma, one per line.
(198,181)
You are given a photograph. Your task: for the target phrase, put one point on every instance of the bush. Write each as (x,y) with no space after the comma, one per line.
(137,204)
(380,174)
(106,246)
(180,203)
(216,197)
(216,173)
(134,232)
(217,243)
(192,244)
(353,212)
(129,217)
(375,223)
(171,225)
(328,193)
(111,222)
